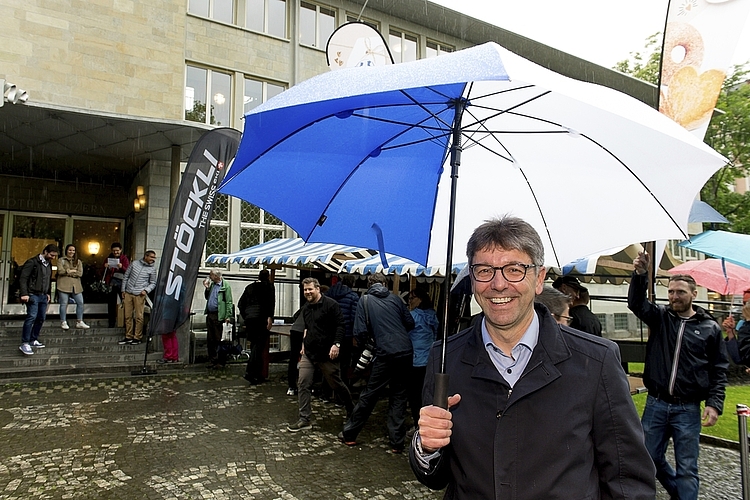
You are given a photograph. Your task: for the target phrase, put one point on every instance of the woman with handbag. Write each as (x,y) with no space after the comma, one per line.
(69,271)
(114,270)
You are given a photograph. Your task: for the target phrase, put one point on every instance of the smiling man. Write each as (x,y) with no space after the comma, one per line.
(324,329)
(538,410)
(686,363)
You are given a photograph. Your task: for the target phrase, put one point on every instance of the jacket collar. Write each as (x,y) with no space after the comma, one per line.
(551,349)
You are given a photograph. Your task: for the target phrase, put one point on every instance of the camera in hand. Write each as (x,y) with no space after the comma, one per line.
(366,357)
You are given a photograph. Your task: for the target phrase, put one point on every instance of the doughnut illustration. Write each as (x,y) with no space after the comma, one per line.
(683,42)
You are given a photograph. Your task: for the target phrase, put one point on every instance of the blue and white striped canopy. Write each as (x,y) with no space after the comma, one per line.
(396,265)
(293,251)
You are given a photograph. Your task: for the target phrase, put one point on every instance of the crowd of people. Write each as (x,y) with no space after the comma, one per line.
(126,286)
(531,375)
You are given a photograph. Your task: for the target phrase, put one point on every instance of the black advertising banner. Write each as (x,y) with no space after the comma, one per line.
(188,227)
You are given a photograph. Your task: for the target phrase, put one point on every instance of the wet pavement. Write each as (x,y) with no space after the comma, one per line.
(208,435)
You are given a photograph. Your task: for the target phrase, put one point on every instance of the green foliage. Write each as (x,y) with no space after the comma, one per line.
(198,113)
(644,66)
(728,133)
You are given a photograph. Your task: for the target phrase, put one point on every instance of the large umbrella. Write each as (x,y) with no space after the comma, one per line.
(715,274)
(732,247)
(370,157)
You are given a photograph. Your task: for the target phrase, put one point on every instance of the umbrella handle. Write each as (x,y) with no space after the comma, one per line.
(440,396)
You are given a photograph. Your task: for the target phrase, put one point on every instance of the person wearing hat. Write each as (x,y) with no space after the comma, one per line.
(583,319)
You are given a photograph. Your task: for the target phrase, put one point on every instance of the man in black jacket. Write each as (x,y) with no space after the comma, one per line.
(686,363)
(384,316)
(36,284)
(257,306)
(324,329)
(581,316)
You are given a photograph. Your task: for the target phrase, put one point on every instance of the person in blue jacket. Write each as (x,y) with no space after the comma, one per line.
(426,326)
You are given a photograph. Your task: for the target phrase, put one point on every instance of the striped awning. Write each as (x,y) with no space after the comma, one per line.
(396,265)
(294,252)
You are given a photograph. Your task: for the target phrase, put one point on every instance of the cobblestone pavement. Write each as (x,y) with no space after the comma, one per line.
(209,435)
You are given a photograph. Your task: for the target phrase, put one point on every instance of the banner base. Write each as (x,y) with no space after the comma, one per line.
(143,371)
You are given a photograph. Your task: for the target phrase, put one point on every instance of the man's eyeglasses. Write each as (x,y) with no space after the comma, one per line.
(561,318)
(512,273)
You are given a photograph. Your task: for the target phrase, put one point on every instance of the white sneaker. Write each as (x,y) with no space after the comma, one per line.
(64,325)
(81,324)
(26,349)
(37,344)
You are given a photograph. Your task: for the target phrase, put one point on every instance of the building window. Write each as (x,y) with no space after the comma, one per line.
(256,227)
(403,46)
(350,18)
(435,49)
(266,16)
(219,10)
(621,321)
(217,239)
(200,83)
(257,92)
(316,24)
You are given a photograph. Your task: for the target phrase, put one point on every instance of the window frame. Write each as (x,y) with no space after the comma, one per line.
(319,44)
(209,84)
(267,19)
(403,35)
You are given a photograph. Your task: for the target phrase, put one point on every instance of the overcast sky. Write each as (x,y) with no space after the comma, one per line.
(600,31)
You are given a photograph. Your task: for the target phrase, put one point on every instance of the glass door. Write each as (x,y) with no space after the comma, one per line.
(29,234)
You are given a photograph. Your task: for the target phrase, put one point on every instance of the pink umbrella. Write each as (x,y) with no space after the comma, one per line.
(730,279)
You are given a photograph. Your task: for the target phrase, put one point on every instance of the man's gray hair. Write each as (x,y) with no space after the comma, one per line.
(554,299)
(508,233)
(215,272)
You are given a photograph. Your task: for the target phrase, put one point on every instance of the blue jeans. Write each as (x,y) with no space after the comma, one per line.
(36,313)
(682,423)
(64,298)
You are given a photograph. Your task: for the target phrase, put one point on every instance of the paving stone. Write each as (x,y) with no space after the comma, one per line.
(208,435)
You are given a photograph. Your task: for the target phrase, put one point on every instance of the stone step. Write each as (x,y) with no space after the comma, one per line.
(92,335)
(42,357)
(53,322)
(25,373)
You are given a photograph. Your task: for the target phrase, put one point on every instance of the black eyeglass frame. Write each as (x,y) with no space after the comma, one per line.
(525,267)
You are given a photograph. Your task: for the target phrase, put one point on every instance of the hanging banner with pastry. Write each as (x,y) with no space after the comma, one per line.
(356,44)
(699,41)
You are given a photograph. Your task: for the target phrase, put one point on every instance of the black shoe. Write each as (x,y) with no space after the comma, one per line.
(162,361)
(343,440)
(135,342)
(124,341)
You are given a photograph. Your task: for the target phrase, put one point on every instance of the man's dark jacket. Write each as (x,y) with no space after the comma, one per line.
(258,301)
(325,326)
(390,322)
(567,430)
(347,300)
(585,320)
(703,362)
(35,277)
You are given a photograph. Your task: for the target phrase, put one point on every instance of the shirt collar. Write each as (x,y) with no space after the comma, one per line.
(528,340)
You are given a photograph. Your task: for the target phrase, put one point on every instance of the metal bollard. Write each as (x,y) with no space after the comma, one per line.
(742,413)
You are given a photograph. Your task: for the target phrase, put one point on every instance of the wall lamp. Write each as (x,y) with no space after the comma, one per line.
(140,199)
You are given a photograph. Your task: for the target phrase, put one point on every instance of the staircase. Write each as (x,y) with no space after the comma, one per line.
(72,352)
